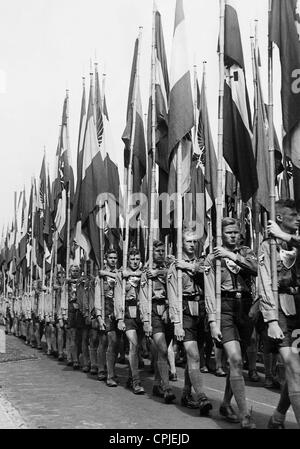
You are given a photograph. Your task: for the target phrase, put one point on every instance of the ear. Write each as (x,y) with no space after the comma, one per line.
(279,218)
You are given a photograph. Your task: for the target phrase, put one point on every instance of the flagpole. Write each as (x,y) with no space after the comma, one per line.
(32,238)
(219,202)
(68,190)
(195,105)
(153,158)
(129,170)
(179,229)
(273,248)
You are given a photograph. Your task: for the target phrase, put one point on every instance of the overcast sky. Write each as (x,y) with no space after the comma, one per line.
(46,47)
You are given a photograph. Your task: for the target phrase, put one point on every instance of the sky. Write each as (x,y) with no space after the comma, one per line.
(46,46)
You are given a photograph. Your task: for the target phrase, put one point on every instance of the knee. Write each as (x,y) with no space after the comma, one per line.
(236,362)
(292,368)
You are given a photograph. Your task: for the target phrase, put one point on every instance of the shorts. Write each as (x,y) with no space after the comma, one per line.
(235,322)
(161,326)
(288,325)
(194,326)
(75,319)
(111,324)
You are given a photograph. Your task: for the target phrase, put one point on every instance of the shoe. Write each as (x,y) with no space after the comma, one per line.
(49,352)
(188,401)
(69,363)
(247,422)
(102,376)
(55,354)
(228,413)
(157,391)
(85,369)
(272,424)
(220,373)
(137,388)
(204,369)
(111,382)
(76,366)
(169,396)
(60,358)
(268,382)
(94,370)
(173,377)
(39,348)
(253,376)
(204,405)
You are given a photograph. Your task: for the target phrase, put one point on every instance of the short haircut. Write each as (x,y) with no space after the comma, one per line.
(284,204)
(189,233)
(134,252)
(111,251)
(230,222)
(157,243)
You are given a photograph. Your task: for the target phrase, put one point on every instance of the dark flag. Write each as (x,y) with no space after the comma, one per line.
(237,146)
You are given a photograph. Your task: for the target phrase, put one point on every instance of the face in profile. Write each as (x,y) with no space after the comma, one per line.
(289,219)
(134,262)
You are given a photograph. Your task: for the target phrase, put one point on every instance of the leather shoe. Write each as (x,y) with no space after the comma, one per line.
(85,369)
(204,405)
(169,396)
(157,391)
(220,373)
(247,422)
(102,376)
(253,376)
(272,424)
(228,413)
(137,388)
(173,377)
(204,369)
(111,383)
(268,382)
(188,401)
(76,366)
(94,370)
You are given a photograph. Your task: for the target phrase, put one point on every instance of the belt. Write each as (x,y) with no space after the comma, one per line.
(288,290)
(235,295)
(192,297)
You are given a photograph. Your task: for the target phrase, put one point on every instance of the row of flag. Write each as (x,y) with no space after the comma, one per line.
(62,219)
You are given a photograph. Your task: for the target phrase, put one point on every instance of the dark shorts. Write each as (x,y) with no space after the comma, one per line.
(111,324)
(194,326)
(235,322)
(161,326)
(289,326)
(75,319)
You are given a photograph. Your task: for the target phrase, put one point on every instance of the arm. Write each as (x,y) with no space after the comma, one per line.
(247,262)
(276,232)
(210,298)
(268,305)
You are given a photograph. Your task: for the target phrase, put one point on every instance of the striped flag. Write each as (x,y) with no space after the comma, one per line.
(285,32)
(237,144)
(181,111)
(93,181)
(139,147)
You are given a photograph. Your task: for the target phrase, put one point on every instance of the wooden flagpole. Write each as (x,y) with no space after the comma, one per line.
(273,248)
(153,157)
(129,171)
(32,237)
(68,190)
(179,229)
(219,202)
(195,106)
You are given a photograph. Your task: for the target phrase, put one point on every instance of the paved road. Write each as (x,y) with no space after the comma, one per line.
(44,393)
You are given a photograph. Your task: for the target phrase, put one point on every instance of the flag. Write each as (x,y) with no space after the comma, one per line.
(79,237)
(181,111)
(93,181)
(162,92)
(206,145)
(237,144)
(285,32)
(139,144)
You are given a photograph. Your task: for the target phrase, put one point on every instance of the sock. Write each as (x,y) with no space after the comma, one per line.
(237,384)
(163,369)
(134,365)
(187,389)
(295,401)
(197,382)
(228,392)
(110,362)
(284,402)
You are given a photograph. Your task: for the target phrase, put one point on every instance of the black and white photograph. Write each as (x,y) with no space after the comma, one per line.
(149,218)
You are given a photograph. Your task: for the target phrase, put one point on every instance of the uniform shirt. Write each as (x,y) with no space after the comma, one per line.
(288,279)
(159,291)
(132,288)
(245,267)
(192,283)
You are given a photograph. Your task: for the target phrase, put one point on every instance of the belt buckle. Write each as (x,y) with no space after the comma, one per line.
(238,295)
